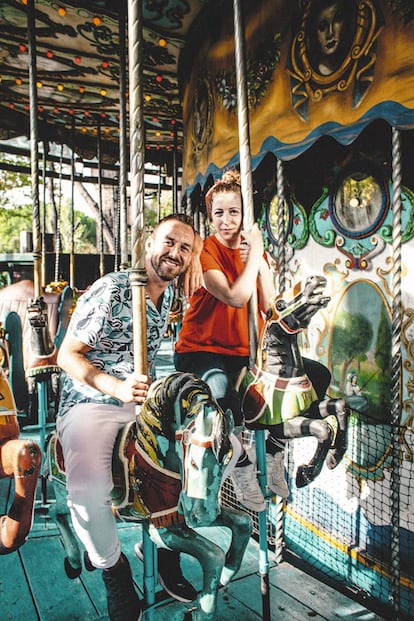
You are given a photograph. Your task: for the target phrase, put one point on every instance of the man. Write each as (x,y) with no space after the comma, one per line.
(99,395)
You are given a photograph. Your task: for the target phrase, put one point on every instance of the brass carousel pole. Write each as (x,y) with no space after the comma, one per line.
(138,276)
(248,217)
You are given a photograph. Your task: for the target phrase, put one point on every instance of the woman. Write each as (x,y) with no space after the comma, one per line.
(214,341)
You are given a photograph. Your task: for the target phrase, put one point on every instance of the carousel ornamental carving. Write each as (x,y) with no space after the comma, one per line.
(334,50)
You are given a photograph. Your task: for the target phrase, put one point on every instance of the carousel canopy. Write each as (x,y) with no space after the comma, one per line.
(79,51)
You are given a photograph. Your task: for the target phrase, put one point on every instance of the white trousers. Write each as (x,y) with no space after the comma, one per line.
(88,432)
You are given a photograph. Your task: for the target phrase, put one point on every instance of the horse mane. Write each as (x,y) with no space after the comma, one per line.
(170,402)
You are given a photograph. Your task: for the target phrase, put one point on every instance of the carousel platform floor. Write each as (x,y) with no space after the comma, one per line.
(35,587)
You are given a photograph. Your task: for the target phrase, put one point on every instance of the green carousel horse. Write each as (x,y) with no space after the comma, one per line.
(167,470)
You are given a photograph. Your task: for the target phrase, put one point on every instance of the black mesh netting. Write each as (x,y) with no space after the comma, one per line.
(348,523)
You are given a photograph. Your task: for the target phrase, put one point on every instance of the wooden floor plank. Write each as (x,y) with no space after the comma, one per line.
(282,605)
(15,597)
(56,597)
(326,601)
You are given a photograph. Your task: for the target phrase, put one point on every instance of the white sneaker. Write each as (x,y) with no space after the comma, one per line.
(275,468)
(247,488)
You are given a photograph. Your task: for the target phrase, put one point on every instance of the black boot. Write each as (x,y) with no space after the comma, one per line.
(122,599)
(170,575)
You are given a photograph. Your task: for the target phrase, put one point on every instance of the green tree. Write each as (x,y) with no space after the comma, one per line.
(12,221)
(383,343)
(15,186)
(351,339)
(84,234)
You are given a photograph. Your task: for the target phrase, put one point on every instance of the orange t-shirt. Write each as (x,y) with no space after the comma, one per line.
(209,324)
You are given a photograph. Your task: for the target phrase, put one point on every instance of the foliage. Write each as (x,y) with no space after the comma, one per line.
(351,339)
(383,344)
(84,238)
(15,187)
(12,221)
(16,213)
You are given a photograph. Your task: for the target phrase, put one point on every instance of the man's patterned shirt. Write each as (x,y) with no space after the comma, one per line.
(103,320)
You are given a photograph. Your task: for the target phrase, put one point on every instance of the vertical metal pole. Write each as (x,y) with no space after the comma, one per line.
(282,270)
(396,371)
(34,138)
(123,147)
(137,152)
(72,209)
(138,276)
(159,194)
(245,161)
(58,241)
(116,218)
(248,216)
(37,252)
(43,280)
(281,254)
(101,215)
(175,174)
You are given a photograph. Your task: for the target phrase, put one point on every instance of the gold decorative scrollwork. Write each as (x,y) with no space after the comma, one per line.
(352,63)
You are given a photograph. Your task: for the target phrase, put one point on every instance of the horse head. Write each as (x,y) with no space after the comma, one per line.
(294,309)
(289,313)
(183,429)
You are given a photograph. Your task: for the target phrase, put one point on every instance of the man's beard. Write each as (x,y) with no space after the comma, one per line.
(164,271)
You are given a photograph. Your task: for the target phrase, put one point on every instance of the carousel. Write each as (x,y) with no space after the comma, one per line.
(313,103)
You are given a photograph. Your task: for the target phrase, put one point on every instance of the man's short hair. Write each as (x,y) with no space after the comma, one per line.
(178,217)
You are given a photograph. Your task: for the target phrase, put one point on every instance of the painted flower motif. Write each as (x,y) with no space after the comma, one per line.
(259,72)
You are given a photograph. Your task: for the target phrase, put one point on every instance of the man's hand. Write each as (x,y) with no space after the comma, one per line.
(193,276)
(133,388)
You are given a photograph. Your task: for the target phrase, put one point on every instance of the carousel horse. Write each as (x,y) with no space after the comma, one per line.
(20,459)
(167,471)
(35,327)
(41,351)
(277,394)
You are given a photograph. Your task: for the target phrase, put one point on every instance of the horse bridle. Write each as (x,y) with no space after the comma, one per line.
(188,437)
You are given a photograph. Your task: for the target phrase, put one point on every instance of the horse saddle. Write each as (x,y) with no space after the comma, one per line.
(267,399)
(142,490)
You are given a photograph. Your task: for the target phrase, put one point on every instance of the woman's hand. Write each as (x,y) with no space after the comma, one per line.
(244,250)
(251,241)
